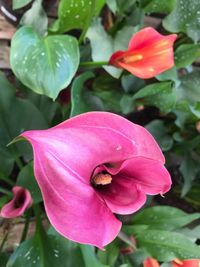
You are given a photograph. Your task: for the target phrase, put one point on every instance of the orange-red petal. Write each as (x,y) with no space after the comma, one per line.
(186,263)
(151,262)
(149,53)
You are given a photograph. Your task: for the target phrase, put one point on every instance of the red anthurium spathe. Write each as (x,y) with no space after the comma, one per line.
(94,165)
(186,263)
(149,53)
(150,262)
(16,207)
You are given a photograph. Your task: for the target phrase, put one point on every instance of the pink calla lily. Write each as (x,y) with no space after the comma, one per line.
(21,201)
(92,166)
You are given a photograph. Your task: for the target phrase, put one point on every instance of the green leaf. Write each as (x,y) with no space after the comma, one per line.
(185,18)
(103,45)
(12,110)
(109,255)
(159,132)
(26,179)
(189,168)
(166,246)
(164,218)
(20,3)
(193,195)
(189,88)
(160,95)
(186,54)
(75,14)
(36,18)
(168,75)
(158,6)
(46,250)
(112,4)
(82,99)
(89,257)
(47,65)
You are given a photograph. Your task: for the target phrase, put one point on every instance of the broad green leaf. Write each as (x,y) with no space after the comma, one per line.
(36,18)
(186,54)
(189,168)
(183,113)
(158,6)
(164,218)
(108,90)
(137,257)
(125,6)
(46,250)
(76,14)
(159,132)
(185,18)
(47,65)
(109,255)
(131,83)
(89,257)
(16,116)
(82,99)
(166,246)
(169,75)
(193,195)
(189,88)
(112,4)
(20,3)
(160,95)
(26,179)
(192,234)
(103,45)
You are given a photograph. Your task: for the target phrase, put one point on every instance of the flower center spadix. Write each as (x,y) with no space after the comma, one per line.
(101,179)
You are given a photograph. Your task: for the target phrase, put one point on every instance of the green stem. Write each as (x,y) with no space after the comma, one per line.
(26,226)
(38,217)
(3,241)
(5,191)
(87,23)
(93,64)
(6,179)
(126,239)
(18,160)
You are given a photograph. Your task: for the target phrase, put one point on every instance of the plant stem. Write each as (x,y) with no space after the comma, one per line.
(93,64)
(126,239)
(26,226)
(3,241)
(87,23)
(5,191)
(6,179)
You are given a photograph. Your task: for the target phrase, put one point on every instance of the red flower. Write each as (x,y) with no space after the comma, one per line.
(149,53)
(186,263)
(150,262)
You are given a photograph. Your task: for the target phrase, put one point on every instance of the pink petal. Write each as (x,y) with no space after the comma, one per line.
(72,206)
(143,142)
(150,175)
(17,206)
(122,196)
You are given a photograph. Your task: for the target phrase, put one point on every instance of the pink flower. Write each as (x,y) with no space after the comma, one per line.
(94,165)
(149,53)
(17,206)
